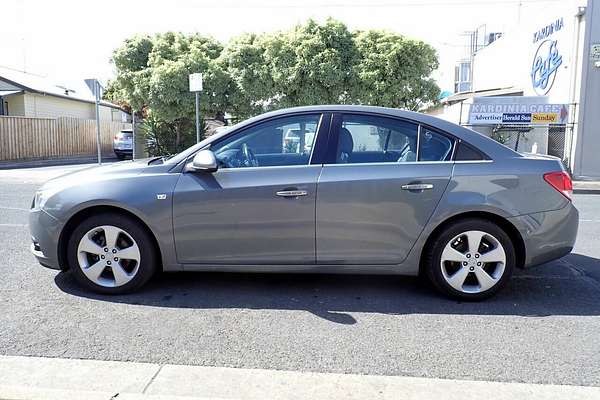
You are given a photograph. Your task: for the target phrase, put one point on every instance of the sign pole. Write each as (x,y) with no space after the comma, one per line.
(197,117)
(98,145)
(196,87)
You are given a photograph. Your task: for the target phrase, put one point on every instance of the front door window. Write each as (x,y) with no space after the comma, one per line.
(280,142)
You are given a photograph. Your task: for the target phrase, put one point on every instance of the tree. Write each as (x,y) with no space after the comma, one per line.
(152,75)
(244,61)
(310,64)
(394,71)
(133,71)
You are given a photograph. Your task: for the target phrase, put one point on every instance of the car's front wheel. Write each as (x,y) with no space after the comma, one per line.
(111,253)
(471,259)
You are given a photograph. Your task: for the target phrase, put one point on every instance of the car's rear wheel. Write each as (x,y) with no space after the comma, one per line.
(471,259)
(111,253)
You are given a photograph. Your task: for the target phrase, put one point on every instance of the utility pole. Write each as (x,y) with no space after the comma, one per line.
(196,87)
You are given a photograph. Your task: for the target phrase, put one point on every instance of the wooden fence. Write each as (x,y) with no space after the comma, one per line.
(23,138)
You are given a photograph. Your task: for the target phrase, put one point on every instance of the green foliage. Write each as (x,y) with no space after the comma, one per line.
(394,71)
(165,138)
(310,64)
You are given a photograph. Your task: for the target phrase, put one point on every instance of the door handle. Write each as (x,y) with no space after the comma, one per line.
(417,186)
(291,193)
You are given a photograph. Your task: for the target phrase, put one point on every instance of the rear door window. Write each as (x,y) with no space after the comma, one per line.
(434,146)
(374,139)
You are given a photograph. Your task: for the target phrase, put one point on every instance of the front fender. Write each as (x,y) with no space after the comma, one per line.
(146,196)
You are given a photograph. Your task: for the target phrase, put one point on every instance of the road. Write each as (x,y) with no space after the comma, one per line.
(543,328)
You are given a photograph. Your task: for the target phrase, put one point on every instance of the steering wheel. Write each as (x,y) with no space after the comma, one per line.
(249,157)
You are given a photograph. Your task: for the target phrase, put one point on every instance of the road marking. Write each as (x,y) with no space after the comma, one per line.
(13,208)
(14,225)
(38,377)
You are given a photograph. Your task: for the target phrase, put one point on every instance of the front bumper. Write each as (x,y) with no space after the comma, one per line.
(548,235)
(45,231)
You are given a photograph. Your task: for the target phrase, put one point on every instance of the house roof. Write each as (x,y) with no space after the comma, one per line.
(9,92)
(15,81)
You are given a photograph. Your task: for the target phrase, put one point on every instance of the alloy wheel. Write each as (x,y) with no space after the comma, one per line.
(108,256)
(473,262)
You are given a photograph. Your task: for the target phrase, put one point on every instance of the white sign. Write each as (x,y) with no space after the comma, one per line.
(196,82)
(523,114)
(595,52)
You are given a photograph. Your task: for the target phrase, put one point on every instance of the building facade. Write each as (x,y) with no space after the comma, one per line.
(537,88)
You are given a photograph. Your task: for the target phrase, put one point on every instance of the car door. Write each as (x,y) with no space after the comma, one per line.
(379,188)
(259,206)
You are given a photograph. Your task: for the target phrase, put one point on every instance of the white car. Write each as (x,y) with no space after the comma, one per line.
(123,144)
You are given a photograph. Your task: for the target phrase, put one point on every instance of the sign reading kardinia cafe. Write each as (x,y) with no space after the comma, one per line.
(527,114)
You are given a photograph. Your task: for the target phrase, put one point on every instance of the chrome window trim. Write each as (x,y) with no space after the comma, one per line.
(267,167)
(473,161)
(409,163)
(455,143)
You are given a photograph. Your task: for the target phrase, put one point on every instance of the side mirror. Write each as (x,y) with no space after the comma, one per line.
(204,160)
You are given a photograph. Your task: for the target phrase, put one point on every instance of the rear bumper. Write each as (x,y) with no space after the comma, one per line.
(45,230)
(548,235)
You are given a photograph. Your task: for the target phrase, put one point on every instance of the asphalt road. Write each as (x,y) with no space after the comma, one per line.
(543,328)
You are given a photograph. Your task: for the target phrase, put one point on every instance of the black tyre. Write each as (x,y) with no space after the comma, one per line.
(111,253)
(471,259)
(120,156)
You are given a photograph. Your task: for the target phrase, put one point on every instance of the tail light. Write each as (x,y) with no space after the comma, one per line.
(116,137)
(561,181)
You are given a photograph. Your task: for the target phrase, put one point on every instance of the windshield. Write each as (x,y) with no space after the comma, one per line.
(178,157)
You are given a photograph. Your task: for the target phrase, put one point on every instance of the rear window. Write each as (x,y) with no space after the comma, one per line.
(126,134)
(466,152)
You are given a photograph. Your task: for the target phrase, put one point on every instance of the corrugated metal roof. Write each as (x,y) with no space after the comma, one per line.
(79,91)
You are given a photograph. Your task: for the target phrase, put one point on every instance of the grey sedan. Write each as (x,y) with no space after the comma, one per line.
(360,190)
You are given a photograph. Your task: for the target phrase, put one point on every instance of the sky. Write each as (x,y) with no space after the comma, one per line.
(74,39)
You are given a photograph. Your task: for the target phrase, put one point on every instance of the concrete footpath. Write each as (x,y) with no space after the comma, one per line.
(586,187)
(53,378)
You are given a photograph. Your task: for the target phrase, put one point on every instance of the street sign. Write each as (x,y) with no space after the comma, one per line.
(196,82)
(196,87)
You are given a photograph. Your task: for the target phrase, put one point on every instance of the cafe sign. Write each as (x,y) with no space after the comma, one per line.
(547,58)
(518,114)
